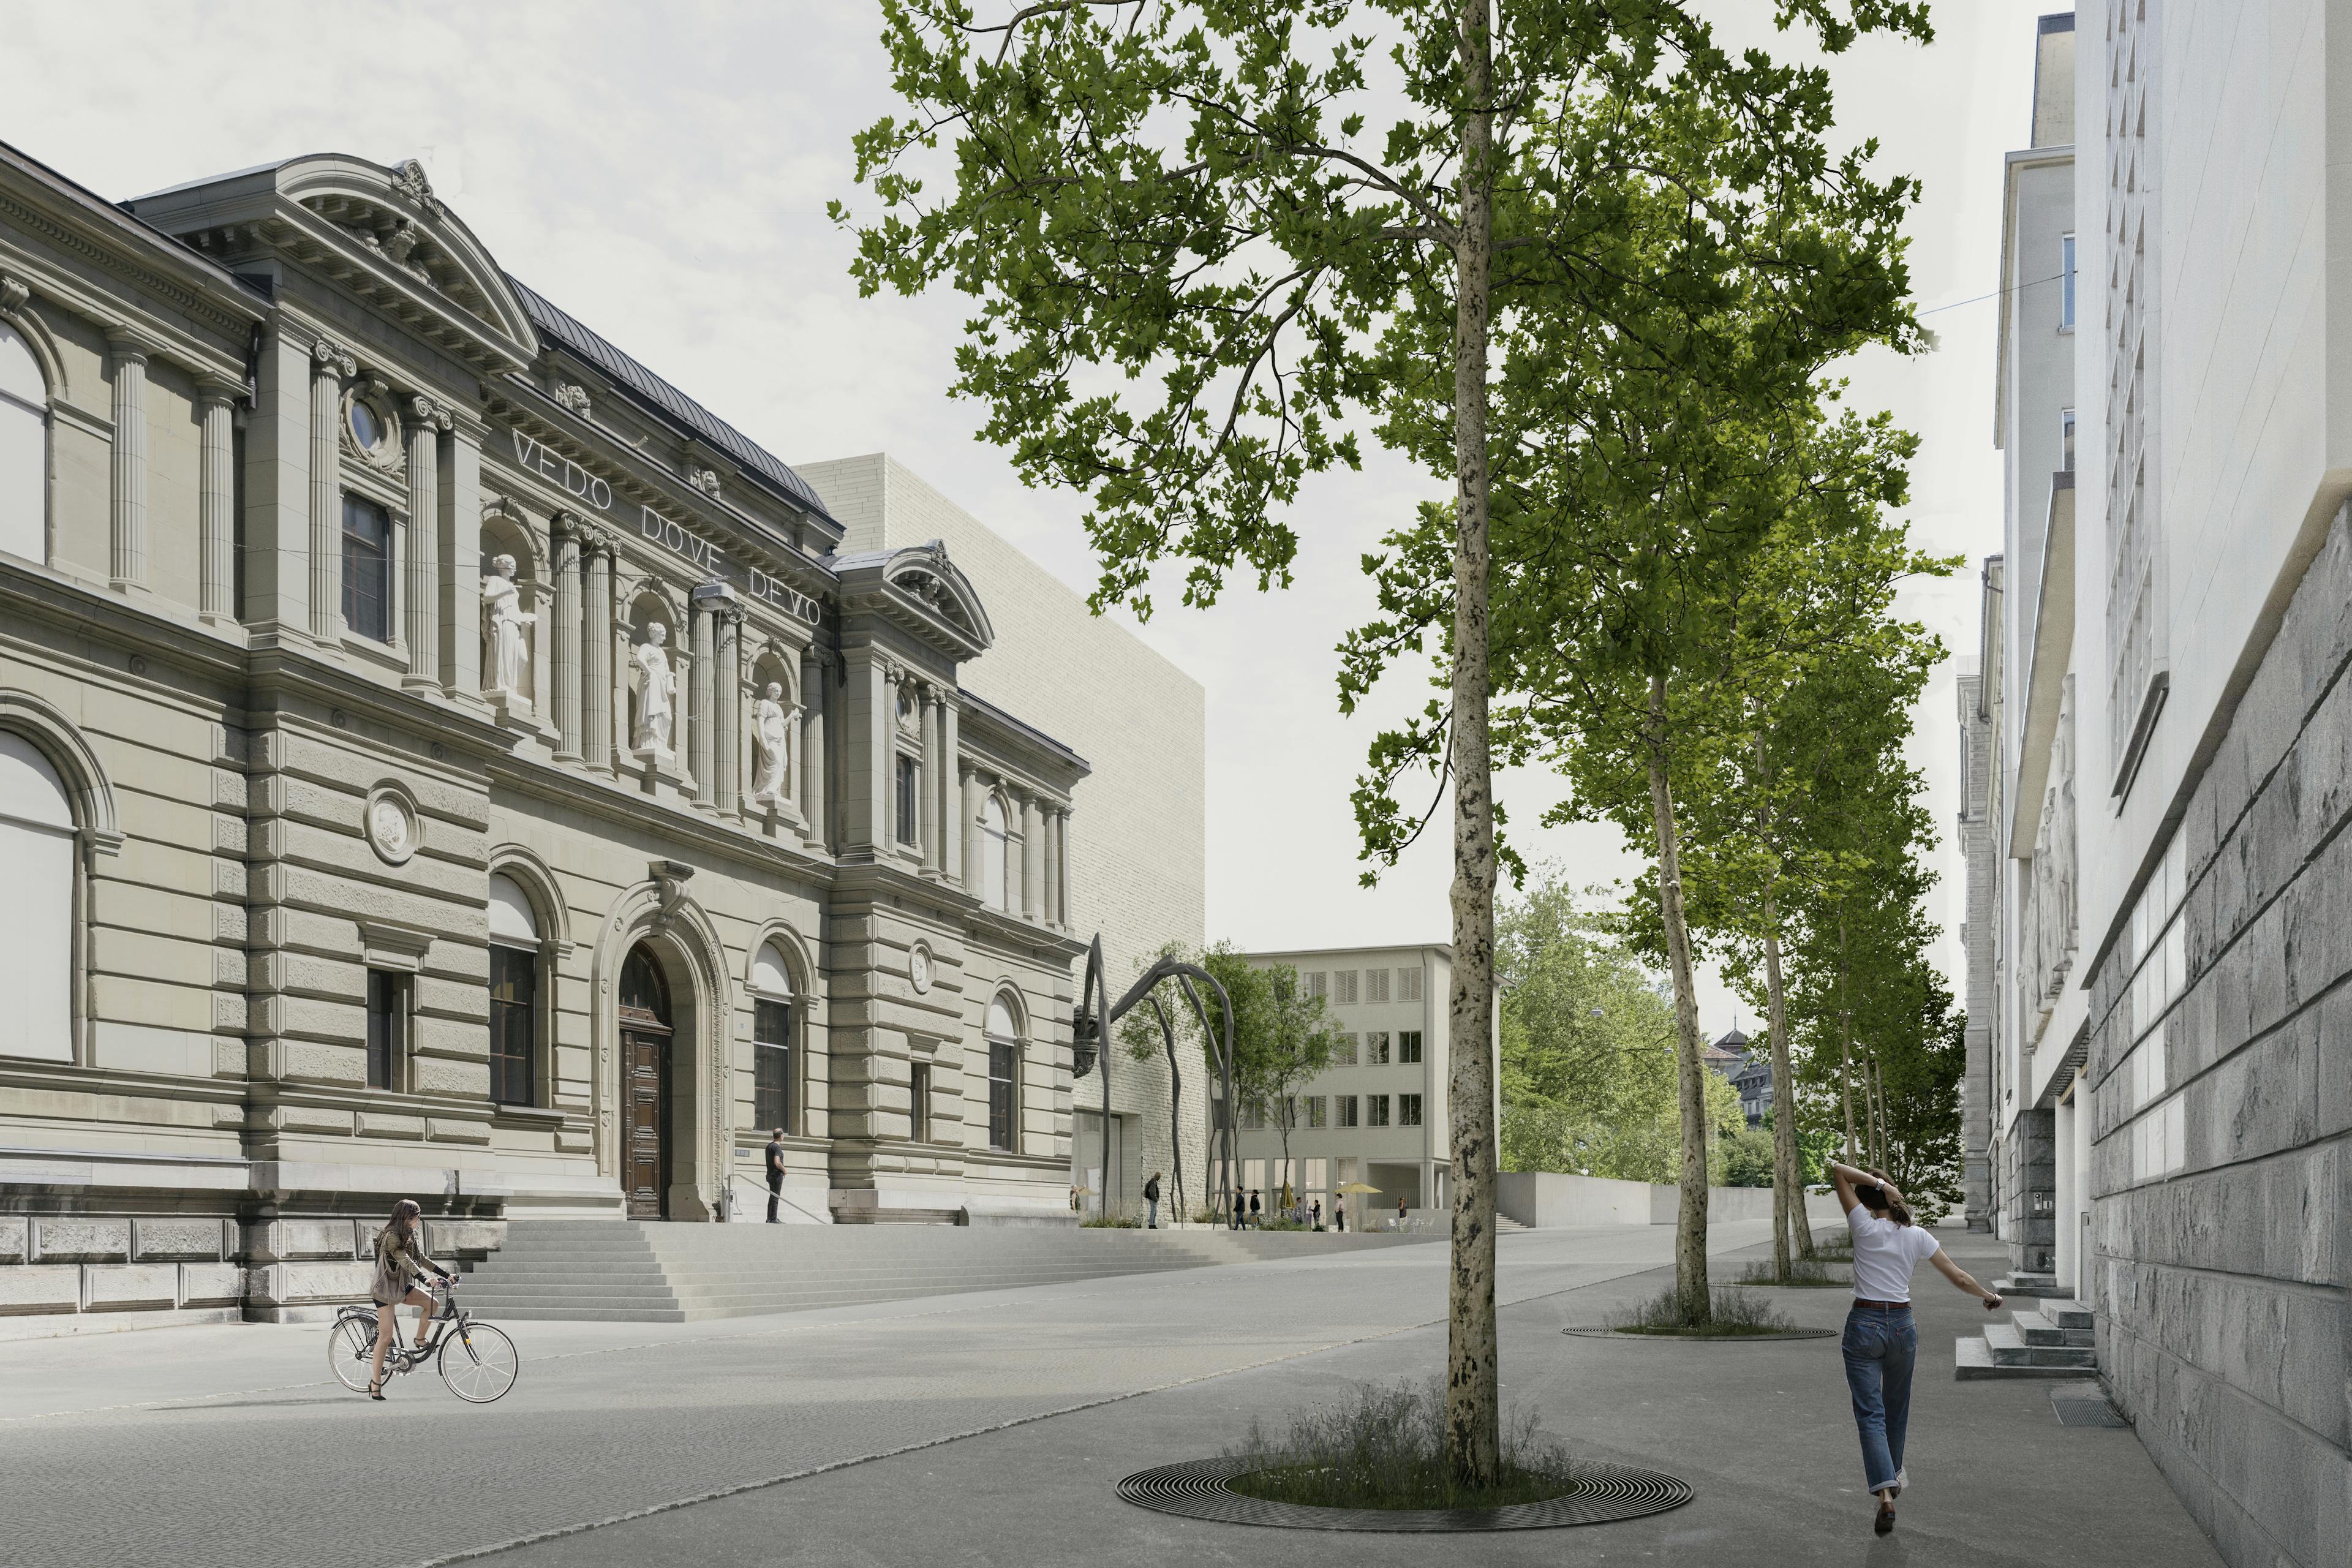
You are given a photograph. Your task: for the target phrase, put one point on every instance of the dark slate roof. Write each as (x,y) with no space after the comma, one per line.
(973,699)
(667,402)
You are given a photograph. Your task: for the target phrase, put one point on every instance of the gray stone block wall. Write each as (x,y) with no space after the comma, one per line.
(2224,1284)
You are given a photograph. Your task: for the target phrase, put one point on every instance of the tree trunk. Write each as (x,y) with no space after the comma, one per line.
(1472,1367)
(1788,1179)
(1845,1048)
(1877,1118)
(1690,1227)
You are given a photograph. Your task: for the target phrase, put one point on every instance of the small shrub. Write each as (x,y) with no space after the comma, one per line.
(1732,1313)
(1802,1271)
(1385,1448)
(1112,1222)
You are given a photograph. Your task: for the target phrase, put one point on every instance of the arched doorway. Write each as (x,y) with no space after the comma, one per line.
(645,1020)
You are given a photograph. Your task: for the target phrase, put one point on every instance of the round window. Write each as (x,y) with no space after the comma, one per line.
(367,425)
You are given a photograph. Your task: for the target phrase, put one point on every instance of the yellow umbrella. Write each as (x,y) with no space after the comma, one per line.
(1354,1187)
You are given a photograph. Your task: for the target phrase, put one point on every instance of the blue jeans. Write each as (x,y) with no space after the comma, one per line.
(1152,1220)
(1880,1347)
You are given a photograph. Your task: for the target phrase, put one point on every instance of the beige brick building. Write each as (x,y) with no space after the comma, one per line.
(438,758)
(1139,850)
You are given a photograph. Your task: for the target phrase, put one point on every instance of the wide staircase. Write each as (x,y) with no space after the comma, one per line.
(2054,1338)
(636,1272)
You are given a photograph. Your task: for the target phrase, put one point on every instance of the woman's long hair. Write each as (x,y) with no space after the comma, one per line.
(1874,1198)
(405,1214)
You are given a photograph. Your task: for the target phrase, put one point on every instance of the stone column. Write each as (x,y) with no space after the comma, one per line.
(1053,900)
(596,635)
(975,875)
(929,824)
(697,717)
(216,498)
(945,788)
(1033,859)
(127,558)
(330,365)
(1062,844)
(420,594)
(813,754)
(564,682)
(729,633)
(461,565)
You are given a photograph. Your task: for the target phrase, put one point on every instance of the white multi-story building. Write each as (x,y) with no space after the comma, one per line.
(2172,642)
(1378,1113)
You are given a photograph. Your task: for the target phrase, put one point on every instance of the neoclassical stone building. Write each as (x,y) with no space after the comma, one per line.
(439,758)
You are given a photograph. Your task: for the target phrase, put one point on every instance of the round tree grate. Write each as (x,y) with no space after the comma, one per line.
(1779,1336)
(1603,1493)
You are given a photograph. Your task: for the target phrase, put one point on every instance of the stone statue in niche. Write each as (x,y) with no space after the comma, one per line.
(656,694)
(770,727)
(505,643)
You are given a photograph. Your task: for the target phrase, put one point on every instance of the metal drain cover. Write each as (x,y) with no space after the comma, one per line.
(1604,1493)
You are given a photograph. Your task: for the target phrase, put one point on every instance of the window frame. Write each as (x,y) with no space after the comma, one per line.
(1408,1111)
(2066,272)
(1345,1104)
(996,852)
(1408,1047)
(527,959)
(385,561)
(1376,1047)
(919,1101)
(905,815)
(47,422)
(385,1040)
(1376,1110)
(771,1048)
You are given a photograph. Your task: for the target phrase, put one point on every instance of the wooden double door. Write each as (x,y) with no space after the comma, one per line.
(645,1119)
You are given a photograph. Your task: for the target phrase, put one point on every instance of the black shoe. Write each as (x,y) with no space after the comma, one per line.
(1885,1524)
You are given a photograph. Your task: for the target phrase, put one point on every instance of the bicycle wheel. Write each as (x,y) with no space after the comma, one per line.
(479,1362)
(351,1352)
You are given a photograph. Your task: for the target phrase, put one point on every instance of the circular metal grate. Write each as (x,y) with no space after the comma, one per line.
(1197,1489)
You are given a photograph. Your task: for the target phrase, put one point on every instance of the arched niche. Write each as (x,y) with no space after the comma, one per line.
(508,533)
(648,607)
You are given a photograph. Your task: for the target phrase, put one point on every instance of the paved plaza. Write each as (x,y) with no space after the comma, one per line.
(992,1429)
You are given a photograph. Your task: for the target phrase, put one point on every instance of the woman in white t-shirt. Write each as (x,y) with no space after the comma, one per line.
(1881,1341)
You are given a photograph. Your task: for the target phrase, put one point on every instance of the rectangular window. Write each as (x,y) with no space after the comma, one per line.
(1347,1103)
(2066,434)
(1376,985)
(909,791)
(1409,1045)
(1409,984)
(1253,1178)
(1376,1048)
(1408,1111)
(1317,1176)
(1376,1110)
(387,1026)
(2066,284)
(1318,1110)
(919,1102)
(1002,1106)
(1343,985)
(367,569)
(1253,1116)
(514,1025)
(1319,983)
(1343,1055)
(772,1064)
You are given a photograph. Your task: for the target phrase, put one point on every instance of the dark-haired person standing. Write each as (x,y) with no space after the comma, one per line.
(1881,1341)
(775,1173)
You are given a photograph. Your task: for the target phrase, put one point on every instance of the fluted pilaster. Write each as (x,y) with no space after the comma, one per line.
(420,556)
(928,815)
(697,718)
(1053,896)
(1033,859)
(128,556)
(216,500)
(727,630)
(565,686)
(955,824)
(1061,888)
(813,754)
(330,365)
(596,636)
(975,875)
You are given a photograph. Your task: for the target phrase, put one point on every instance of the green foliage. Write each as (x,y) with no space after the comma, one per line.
(1804,1273)
(1385,1448)
(1732,1312)
(1747,1158)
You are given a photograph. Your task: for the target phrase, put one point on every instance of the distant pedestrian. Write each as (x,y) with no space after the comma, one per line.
(1257,1210)
(775,1175)
(1315,1214)
(1400,1212)
(1151,1202)
(1881,1341)
(1339,1214)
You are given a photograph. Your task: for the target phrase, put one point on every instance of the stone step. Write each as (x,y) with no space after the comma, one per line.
(2010,1348)
(2043,1328)
(1972,1360)
(2069,1314)
(2036,1285)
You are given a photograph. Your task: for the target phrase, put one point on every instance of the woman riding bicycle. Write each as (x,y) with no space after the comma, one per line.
(399,1260)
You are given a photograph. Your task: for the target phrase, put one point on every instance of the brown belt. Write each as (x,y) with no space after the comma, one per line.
(1883,1305)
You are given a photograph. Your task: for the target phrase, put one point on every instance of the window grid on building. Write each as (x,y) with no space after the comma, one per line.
(1376,1048)
(909,792)
(1003,1060)
(1408,1046)
(1376,985)
(1409,984)
(1408,1111)
(1343,1055)
(514,1025)
(772,1059)
(1319,983)
(1347,1108)
(387,1026)
(1318,1110)
(367,569)
(1343,986)
(919,1102)
(1376,1110)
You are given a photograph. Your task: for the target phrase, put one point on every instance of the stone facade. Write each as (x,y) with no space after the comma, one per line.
(1137,853)
(439,759)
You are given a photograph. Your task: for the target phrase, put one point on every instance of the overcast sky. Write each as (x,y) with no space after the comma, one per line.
(662,171)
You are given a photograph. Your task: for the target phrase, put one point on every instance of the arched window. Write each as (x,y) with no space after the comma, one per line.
(771,1039)
(24,449)
(993,851)
(36,867)
(1003,1076)
(514,994)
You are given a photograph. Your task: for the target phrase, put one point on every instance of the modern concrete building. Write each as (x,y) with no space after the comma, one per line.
(1138,874)
(1378,1114)
(2169,1086)
(439,758)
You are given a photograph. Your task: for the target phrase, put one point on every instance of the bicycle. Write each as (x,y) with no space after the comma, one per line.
(478,1364)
